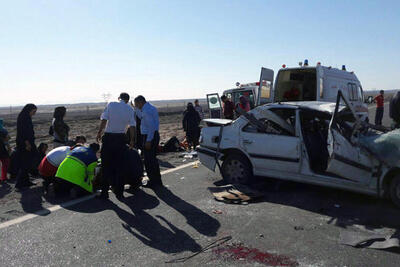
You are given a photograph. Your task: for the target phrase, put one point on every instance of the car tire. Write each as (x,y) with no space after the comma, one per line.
(236,169)
(395,190)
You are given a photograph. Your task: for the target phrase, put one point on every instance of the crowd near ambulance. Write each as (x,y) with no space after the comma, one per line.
(308,124)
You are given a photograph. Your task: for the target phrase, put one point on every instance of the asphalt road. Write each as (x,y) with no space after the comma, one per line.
(293,224)
(386,121)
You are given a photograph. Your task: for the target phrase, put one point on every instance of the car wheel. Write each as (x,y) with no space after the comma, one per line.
(395,190)
(236,169)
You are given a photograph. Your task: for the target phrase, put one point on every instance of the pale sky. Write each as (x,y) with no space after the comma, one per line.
(74,51)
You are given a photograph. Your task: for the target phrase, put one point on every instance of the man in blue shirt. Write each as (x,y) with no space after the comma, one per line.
(151,138)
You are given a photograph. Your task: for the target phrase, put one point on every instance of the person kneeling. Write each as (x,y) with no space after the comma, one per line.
(76,172)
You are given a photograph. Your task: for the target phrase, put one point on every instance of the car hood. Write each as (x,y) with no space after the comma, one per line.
(218,121)
(385,147)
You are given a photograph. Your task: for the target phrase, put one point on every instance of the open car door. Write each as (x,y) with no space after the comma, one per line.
(346,158)
(214,106)
(264,93)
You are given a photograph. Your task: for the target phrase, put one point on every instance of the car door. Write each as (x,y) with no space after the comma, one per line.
(346,158)
(264,94)
(214,106)
(274,148)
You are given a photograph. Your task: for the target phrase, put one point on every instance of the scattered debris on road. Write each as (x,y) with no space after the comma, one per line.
(217,211)
(371,240)
(235,194)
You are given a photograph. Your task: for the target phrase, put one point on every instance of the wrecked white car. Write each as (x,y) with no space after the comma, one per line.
(312,142)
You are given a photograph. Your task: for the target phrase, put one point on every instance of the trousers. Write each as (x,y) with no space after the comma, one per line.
(151,161)
(378,116)
(111,160)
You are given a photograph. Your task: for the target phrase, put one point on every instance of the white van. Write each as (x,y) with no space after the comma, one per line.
(303,83)
(311,83)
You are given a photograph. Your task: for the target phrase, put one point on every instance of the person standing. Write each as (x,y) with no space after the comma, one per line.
(244,103)
(115,119)
(26,148)
(5,151)
(379,107)
(59,129)
(199,109)
(151,138)
(190,122)
(228,107)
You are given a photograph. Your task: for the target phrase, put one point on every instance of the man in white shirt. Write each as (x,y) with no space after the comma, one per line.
(115,119)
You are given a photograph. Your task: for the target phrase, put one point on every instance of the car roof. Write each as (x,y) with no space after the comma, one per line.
(326,107)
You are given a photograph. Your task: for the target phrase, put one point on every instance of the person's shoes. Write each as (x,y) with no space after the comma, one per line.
(50,190)
(103,195)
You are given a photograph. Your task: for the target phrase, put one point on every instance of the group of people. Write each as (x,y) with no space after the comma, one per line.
(229,108)
(115,120)
(71,164)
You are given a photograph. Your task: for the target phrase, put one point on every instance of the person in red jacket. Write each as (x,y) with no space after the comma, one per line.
(379,99)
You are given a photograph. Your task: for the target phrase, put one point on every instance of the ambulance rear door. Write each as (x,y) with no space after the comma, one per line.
(264,94)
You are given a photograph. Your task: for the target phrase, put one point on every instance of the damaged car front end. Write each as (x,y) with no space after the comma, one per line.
(319,143)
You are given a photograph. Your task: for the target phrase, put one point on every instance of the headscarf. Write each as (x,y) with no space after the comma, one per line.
(26,110)
(190,107)
(25,126)
(59,113)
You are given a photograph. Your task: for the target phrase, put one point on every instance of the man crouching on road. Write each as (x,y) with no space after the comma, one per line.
(115,119)
(151,138)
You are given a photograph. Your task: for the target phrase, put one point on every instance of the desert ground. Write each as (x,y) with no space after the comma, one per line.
(85,120)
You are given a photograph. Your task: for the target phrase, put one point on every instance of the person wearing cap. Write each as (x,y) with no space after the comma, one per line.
(151,138)
(115,119)
(379,99)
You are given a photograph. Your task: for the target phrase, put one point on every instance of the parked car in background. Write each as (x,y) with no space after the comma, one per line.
(311,142)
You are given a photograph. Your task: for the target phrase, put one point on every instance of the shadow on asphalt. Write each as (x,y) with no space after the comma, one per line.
(5,189)
(165,164)
(148,228)
(345,208)
(202,222)
(31,200)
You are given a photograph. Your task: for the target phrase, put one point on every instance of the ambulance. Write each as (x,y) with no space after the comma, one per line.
(304,83)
